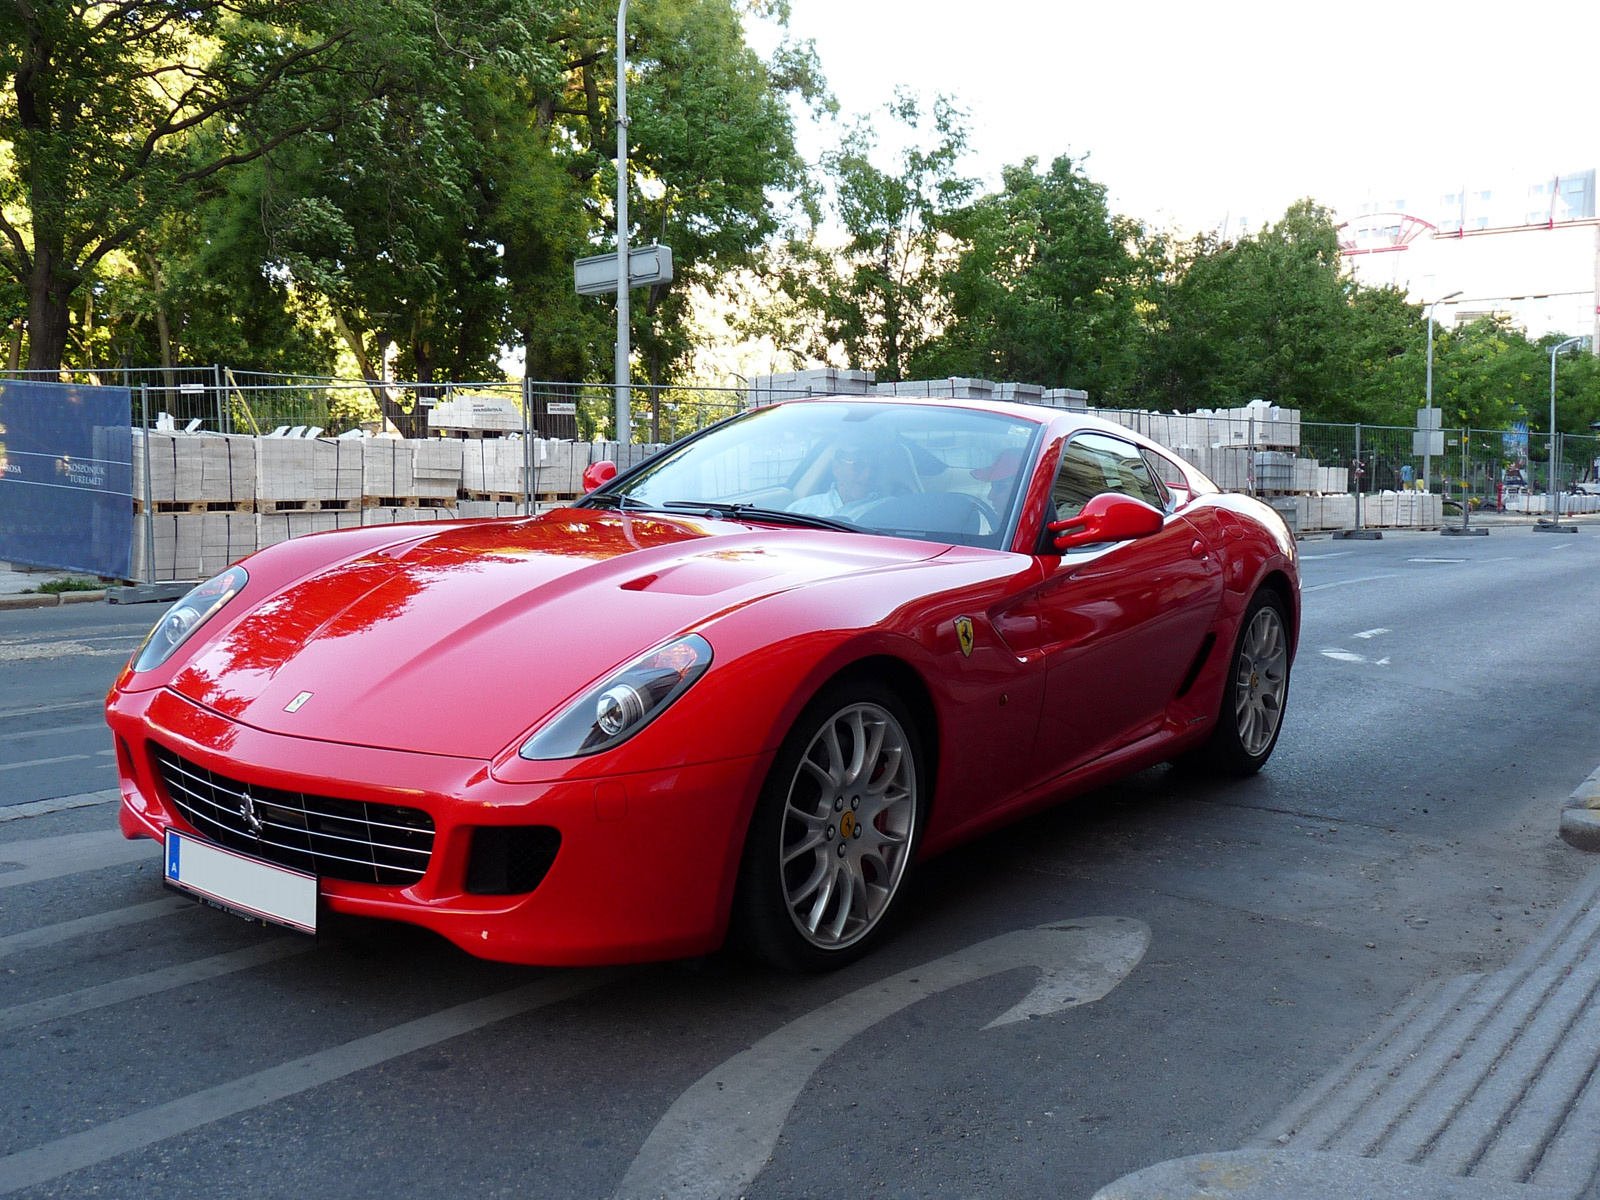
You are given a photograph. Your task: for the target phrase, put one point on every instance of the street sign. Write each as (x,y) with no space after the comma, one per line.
(1429,418)
(1428,441)
(647,265)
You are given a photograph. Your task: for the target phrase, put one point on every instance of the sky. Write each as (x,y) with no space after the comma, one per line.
(1192,113)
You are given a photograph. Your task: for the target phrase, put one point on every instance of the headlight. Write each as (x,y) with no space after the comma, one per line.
(620,706)
(187,615)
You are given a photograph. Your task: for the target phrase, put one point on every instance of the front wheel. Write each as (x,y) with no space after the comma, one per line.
(833,836)
(1257,688)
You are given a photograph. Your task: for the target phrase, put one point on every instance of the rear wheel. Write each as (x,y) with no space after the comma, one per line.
(832,840)
(1256,691)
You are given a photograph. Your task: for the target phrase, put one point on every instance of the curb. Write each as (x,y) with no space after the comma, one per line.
(1580,819)
(49,599)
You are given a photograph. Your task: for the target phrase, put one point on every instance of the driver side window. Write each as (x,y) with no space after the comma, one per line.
(1093,463)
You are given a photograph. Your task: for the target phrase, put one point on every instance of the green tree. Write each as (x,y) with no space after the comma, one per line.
(1044,288)
(876,300)
(99,109)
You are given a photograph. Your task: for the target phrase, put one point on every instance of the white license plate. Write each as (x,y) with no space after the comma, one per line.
(245,885)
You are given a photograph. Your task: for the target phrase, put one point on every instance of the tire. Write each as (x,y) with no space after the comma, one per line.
(831,844)
(1255,693)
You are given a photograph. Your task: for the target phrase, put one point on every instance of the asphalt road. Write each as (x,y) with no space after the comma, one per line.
(1441,709)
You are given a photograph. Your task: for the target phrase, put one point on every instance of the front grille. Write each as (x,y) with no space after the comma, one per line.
(321,835)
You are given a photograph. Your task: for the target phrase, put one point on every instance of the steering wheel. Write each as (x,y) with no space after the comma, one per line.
(982,508)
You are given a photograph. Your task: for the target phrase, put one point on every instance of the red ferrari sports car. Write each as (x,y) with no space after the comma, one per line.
(741,689)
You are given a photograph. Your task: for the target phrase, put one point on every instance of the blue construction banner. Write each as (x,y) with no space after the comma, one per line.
(66,476)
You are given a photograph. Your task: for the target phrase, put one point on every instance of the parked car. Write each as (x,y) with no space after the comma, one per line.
(744,687)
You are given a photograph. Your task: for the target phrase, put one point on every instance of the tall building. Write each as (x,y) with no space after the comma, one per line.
(1526,248)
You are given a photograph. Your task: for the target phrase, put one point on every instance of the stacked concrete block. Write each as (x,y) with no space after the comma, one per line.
(954,388)
(501,414)
(1021,393)
(436,474)
(1274,471)
(275,527)
(394,515)
(388,466)
(285,469)
(558,466)
(821,381)
(1325,513)
(1332,479)
(194,468)
(416,468)
(494,465)
(1069,398)
(477,509)
(1230,467)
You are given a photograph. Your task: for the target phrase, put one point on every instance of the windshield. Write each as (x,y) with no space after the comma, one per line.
(907,470)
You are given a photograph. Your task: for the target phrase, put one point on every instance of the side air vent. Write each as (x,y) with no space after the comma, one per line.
(508,860)
(1198,665)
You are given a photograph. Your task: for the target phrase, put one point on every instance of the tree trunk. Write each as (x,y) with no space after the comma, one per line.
(48,318)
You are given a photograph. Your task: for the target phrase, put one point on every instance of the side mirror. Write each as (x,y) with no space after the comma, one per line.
(1109,517)
(598,474)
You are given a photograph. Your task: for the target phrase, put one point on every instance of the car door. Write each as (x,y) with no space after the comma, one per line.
(1120,622)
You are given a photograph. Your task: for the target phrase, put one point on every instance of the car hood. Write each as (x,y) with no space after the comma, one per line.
(457,642)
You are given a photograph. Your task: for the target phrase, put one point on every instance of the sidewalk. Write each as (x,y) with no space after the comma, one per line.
(1480,1087)
(17,582)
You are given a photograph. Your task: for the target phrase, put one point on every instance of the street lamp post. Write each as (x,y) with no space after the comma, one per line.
(1554,525)
(1427,436)
(624,350)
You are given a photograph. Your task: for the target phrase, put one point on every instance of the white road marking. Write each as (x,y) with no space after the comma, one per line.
(38,808)
(71,853)
(149,984)
(61,931)
(1436,560)
(1330,554)
(1562,546)
(51,732)
(28,1168)
(719,1134)
(43,762)
(1371,633)
(1348,656)
(44,708)
(1318,587)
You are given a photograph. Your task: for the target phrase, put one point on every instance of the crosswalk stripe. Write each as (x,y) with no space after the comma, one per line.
(148,984)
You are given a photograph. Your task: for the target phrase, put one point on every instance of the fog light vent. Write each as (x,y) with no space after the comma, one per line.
(510,859)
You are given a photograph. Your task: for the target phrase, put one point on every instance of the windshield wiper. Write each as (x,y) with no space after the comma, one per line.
(778,516)
(614,500)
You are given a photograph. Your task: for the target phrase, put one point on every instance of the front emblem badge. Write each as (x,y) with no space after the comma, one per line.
(964,635)
(247,810)
(297,703)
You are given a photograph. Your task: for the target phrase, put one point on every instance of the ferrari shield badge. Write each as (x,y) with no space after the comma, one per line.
(964,635)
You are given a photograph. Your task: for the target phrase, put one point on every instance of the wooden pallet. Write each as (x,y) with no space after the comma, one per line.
(279,506)
(407,502)
(496,497)
(196,506)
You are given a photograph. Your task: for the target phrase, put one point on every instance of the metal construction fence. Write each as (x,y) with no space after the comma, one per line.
(220,399)
(304,465)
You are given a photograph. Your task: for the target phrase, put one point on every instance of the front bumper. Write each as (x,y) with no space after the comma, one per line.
(645,871)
